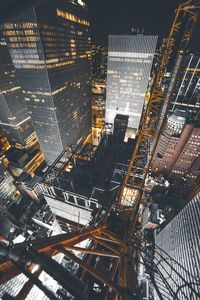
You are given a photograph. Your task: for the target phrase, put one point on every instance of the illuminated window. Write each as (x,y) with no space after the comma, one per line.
(71,17)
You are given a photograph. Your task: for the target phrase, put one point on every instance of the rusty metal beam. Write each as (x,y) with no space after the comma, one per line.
(7,271)
(91,270)
(100,237)
(92,251)
(106,245)
(88,260)
(113,237)
(47,244)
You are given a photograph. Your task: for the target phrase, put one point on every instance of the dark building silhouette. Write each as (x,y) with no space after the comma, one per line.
(120,126)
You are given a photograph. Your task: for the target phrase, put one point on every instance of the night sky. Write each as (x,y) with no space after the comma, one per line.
(118,16)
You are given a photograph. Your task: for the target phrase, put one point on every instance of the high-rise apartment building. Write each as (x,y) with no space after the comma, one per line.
(129,66)
(177,257)
(187,89)
(178,151)
(50,49)
(15,119)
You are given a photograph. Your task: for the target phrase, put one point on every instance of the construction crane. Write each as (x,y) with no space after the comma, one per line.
(114,274)
(186,17)
(110,262)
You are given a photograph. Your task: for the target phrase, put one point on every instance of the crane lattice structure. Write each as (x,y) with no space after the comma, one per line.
(186,17)
(119,259)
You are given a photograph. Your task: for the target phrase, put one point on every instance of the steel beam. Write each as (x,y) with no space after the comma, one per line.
(91,251)
(106,245)
(48,244)
(91,270)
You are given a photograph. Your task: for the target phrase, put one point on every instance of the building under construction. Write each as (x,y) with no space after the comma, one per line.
(104,253)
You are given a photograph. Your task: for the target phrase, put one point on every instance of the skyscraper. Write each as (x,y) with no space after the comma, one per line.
(50,48)
(187,89)
(162,159)
(129,65)
(8,191)
(179,248)
(15,119)
(178,151)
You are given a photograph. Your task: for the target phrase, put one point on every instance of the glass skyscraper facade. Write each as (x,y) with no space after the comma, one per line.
(179,246)
(187,89)
(8,191)
(129,65)
(50,49)
(15,119)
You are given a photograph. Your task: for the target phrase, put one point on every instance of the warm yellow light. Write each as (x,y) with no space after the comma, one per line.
(71,17)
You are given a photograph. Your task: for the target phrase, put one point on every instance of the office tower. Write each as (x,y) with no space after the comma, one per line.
(168,141)
(129,66)
(178,151)
(120,126)
(15,120)
(8,191)
(16,126)
(187,89)
(50,48)
(179,250)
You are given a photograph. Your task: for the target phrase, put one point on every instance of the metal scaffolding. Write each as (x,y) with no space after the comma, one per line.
(109,263)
